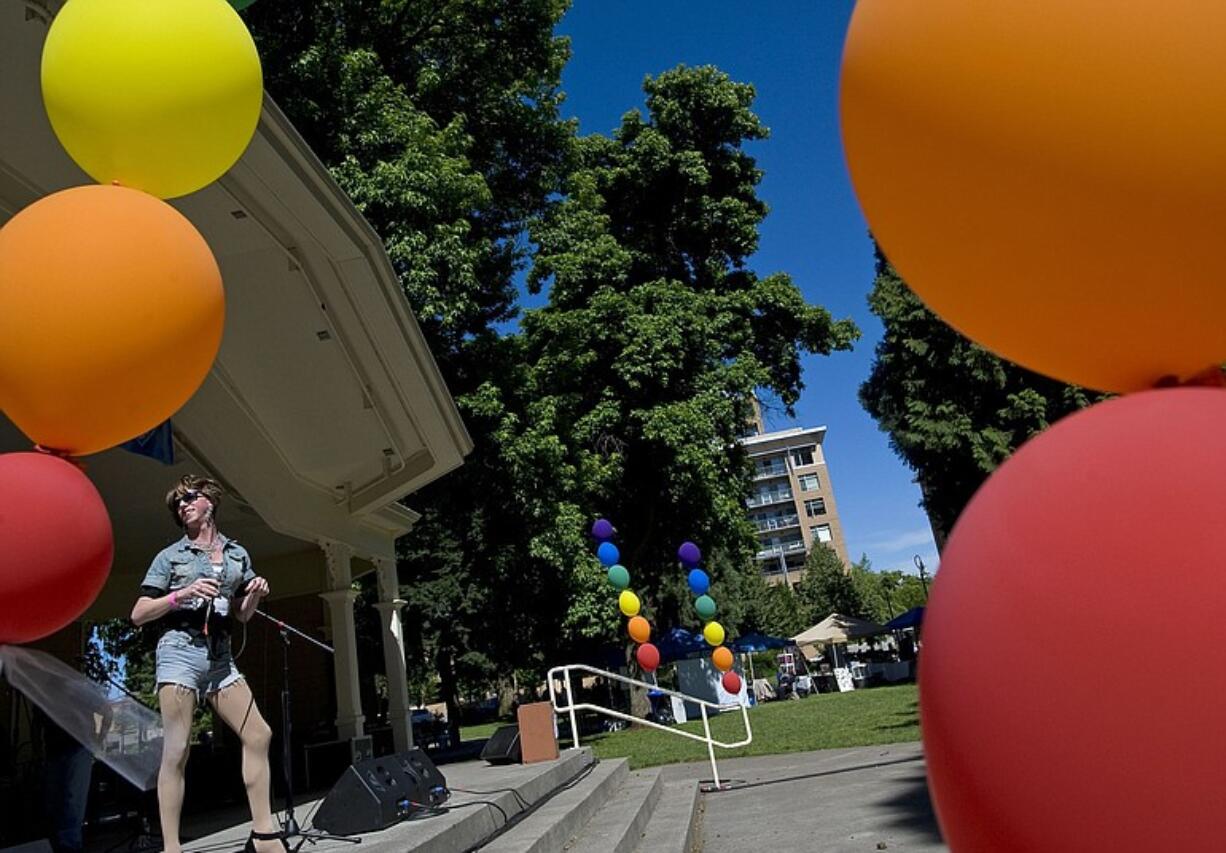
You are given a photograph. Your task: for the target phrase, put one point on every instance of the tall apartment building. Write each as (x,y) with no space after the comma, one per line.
(792,504)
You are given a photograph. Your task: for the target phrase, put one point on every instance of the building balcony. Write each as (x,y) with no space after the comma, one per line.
(767,473)
(769,498)
(766,524)
(780,550)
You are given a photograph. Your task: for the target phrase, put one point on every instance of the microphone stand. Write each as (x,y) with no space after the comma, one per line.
(290,824)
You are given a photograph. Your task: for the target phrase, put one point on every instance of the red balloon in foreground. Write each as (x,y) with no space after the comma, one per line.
(648,657)
(1071,686)
(732,682)
(56,545)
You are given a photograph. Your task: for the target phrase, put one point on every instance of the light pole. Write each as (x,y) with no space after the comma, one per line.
(919,564)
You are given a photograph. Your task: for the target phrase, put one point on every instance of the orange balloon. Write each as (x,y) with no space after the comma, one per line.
(722,658)
(639,629)
(1049,178)
(111,312)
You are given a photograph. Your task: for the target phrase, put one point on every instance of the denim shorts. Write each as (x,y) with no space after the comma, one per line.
(185,660)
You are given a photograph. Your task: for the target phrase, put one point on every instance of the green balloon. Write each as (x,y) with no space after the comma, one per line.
(618,576)
(705,605)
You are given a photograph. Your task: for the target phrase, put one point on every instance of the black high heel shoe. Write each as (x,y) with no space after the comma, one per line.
(265,836)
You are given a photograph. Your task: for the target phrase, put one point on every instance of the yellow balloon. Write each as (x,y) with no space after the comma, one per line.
(713,633)
(628,602)
(157,95)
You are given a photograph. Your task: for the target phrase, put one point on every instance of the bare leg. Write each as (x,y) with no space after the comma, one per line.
(178,705)
(236,707)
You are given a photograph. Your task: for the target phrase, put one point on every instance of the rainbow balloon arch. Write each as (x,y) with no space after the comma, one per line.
(111,302)
(638,628)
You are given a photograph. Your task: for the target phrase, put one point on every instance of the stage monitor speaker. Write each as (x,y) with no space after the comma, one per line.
(503,746)
(378,792)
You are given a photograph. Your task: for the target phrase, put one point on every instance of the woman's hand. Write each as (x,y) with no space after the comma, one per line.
(257,588)
(205,588)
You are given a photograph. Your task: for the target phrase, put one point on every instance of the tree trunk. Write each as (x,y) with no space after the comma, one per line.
(506,697)
(640,705)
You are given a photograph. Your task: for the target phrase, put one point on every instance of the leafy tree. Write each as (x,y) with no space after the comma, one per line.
(440,120)
(827,587)
(772,608)
(641,367)
(953,410)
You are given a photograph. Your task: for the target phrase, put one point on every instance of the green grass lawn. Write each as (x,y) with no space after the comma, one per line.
(824,721)
(482,731)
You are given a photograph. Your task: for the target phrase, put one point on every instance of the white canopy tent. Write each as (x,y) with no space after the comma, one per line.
(837,628)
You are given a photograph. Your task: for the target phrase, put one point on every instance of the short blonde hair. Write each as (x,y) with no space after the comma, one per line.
(208,487)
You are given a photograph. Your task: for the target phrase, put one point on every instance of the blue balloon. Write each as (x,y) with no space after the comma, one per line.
(608,553)
(699,581)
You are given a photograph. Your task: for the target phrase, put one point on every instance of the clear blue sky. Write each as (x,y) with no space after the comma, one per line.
(815,232)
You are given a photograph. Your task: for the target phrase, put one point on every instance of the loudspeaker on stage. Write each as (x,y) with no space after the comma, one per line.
(376,793)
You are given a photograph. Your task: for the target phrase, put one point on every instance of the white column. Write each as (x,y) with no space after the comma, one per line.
(389,604)
(340,598)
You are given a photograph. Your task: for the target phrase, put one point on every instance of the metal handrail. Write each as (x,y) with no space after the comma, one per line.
(570,707)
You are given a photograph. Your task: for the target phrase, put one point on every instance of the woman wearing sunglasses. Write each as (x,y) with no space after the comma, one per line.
(188,597)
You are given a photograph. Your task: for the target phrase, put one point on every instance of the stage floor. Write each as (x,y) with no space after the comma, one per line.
(484,799)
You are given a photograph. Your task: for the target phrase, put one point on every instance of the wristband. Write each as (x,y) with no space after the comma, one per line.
(174,598)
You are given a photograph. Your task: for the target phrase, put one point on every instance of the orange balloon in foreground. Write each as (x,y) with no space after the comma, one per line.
(111,313)
(1049,177)
(1071,688)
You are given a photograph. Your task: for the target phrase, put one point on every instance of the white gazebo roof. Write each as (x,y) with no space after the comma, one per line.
(324,407)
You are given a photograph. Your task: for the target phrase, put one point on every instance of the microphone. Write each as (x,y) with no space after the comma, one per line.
(219,573)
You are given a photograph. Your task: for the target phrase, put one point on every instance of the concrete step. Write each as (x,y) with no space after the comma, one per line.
(673,827)
(618,826)
(548,828)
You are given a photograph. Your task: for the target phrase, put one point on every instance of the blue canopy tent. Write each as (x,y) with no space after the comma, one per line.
(758,643)
(679,643)
(913,618)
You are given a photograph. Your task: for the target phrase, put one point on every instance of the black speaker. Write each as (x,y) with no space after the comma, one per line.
(378,792)
(503,747)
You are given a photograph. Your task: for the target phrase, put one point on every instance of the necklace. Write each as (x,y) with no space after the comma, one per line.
(211,546)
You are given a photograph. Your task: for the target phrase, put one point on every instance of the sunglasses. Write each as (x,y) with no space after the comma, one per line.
(189,497)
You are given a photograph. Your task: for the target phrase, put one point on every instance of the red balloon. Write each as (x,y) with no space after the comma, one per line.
(732,682)
(1070,689)
(648,657)
(56,545)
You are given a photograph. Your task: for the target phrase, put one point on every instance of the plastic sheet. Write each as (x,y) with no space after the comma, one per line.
(120,732)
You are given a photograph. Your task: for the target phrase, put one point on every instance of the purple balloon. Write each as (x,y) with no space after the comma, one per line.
(688,554)
(602,530)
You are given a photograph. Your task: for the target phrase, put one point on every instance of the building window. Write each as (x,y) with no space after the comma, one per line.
(815,507)
(821,533)
(809,483)
(803,455)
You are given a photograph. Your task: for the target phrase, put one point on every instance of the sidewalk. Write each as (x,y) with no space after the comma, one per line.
(833,801)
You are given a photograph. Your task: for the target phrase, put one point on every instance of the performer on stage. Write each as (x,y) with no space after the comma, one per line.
(187,597)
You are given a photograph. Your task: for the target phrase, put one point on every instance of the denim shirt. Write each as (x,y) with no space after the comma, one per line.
(178,565)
